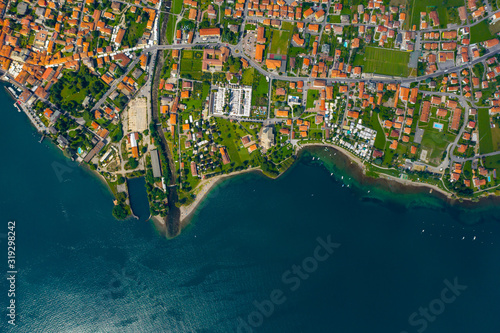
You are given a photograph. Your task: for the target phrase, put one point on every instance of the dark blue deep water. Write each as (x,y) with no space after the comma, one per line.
(254,241)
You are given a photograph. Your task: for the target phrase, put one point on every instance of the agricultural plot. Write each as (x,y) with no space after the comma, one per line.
(191,64)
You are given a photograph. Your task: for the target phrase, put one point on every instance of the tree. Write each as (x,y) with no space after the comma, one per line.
(204,24)
(117,134)
(119,212)
(96,87)
(133,163)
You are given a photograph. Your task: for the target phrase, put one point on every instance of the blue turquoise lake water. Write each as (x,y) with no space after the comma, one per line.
(82,271)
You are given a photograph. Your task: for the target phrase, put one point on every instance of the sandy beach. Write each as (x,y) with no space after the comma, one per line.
(347,153)
(201,191)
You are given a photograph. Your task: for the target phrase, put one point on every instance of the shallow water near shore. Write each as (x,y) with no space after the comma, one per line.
(81,270)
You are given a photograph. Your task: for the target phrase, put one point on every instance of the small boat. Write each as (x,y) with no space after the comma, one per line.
(342,177)
(474,238)
(331,174)
(463,238)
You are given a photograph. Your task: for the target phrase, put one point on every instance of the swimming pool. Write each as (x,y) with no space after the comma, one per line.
(79,151)
(438,126)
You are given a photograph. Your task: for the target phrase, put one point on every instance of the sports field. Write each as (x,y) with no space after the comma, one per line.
(385,61)
(280,41)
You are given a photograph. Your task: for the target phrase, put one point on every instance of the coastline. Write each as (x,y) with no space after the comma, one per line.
(205,186)
(362,166)
(202,190)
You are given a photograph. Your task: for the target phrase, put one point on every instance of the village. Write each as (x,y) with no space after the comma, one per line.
(185,91)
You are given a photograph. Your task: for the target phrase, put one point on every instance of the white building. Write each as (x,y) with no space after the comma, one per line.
(238,100)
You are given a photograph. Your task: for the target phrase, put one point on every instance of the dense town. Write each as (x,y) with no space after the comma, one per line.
(181,92)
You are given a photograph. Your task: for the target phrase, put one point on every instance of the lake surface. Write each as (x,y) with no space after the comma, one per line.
(254,241)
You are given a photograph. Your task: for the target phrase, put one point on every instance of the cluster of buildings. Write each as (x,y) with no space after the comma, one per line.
(233,100)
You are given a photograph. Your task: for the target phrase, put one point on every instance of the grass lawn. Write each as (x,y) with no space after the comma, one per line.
(380,138)
(72,93)
(480,32)
(170,29)
(417,6)
(312,96)
(436,142)
(485,137)
(385,61)
(191,64)
(287,26)
(495,28)
(280,41)
(260,90)
(231,139)
(492,162)
(247,77)
(176,6)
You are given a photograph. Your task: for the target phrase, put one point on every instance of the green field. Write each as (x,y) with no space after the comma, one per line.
(191,64)
(280,41)
(384,61)
(231,135)
(436,142)
(260,90)
(170,29)
(287,26)
(312,96)
(480,32)
(485,137)
(176,6)
(380,138)
(492,162)
(417,6)
(73,93)
(247,76)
